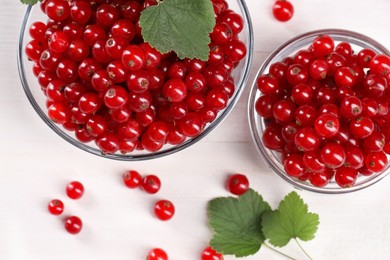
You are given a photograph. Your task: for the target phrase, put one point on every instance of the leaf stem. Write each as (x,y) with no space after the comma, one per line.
(303,250)
(277,251)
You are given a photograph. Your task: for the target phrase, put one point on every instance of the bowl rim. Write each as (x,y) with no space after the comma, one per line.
(253,118)
(247,62)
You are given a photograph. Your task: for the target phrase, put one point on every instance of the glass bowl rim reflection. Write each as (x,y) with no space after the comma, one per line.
(243,77)
(256,123)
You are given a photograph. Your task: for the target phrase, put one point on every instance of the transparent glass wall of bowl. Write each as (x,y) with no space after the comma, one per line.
(38,100)
(257,124)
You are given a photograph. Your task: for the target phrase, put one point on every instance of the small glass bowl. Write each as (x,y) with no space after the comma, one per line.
(257,123)
(37,98)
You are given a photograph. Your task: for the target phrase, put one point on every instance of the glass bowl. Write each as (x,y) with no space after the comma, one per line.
(38,101)
(258,124)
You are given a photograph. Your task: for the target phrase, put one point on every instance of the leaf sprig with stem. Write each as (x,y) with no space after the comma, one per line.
(242,225)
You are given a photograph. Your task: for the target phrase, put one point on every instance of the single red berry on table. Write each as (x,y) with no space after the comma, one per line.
(151,184)
(164,210)
(157,254)
(210,254)
(73,225)
(56,207)
(283,10)
(75,190)
(237,184)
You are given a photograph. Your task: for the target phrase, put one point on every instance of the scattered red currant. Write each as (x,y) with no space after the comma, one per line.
(237,184)
(210,254)
(283,10)
(151,184)
(164,210)
(56,207)
(132,179)
(157,254)
(73,225)
(75,190)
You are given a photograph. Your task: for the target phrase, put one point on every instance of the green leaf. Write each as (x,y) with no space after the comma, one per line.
(237,223)
(290,220)
(29,2)
(182,26)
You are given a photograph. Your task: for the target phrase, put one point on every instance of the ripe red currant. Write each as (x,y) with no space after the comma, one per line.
(210,254)
(56,207)
(157,254)
(164,210)
(73,225)
(283,10)
(237,184)
(75,190)
(151,184)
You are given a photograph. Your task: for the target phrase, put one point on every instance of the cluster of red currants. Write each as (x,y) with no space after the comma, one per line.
(73,224)
(326,111)
(107,85)
(163,209)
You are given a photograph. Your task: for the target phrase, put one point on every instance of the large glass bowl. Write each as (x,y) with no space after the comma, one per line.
(257,123)
(38,100)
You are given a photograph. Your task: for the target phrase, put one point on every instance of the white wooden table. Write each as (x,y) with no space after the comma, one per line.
(36,164)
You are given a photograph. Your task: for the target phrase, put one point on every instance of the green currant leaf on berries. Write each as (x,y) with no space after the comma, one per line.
(237,223)
(182,26)
(29,2)
(290,220)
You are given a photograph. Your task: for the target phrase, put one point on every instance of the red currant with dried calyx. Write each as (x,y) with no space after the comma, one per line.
(283,10)
(56,207)
(132,179)
(376,161)
(151,184)
(237,184)
(327,125)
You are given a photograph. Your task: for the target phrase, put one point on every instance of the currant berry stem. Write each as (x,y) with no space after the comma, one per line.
(277,251)
(303,250)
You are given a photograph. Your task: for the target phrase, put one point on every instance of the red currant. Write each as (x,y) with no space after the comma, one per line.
(237,184)
(164,210)
(283,10)
(56,207)
(73,225)
(151,184)
(132,179)
(210,254)
(75,190)
(157,254)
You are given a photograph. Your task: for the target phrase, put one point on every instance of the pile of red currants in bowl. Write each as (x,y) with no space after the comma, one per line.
(106,84)
(326,111)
